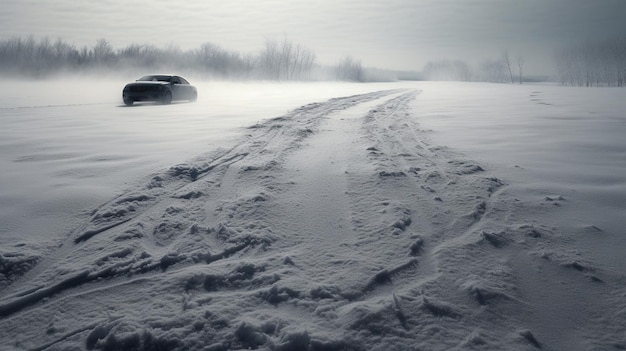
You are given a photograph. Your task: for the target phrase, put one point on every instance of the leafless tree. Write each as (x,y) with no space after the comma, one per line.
(520,65)
(493,71)
(507,63)
(590,64)
(137,55)
(349,69)
(279,60)
(103,53)
(285,60)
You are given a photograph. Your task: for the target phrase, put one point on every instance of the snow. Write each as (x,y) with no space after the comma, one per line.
(544,139)
(313,216)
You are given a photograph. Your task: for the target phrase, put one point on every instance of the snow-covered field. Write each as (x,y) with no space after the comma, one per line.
(313,216)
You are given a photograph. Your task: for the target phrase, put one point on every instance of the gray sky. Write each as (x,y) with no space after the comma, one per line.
(393,34)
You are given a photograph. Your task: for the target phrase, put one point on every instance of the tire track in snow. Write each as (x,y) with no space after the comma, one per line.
(413,201)
(128,216)
(337,217)
(469,242)
(323,197)
(362,219)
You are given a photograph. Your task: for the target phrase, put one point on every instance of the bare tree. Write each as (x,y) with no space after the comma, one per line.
(269,60)
(103,52)
(593,63)
(285,60)
(137,55)
(520,66)
(277,60)
(619,55)
(349,69)
(507,63)
(493,71)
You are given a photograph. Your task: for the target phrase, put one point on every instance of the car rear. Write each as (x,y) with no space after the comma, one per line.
(143,91)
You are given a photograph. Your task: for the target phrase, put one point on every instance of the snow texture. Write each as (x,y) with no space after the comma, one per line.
(357,221)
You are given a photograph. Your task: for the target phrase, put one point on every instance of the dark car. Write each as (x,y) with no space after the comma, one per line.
(159,87)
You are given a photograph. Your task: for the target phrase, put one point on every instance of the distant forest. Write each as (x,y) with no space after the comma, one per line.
(593,64)
(587,64)
(278,60)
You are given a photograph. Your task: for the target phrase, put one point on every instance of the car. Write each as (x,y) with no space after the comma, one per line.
(161,88)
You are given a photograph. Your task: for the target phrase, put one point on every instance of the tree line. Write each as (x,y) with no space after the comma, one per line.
(278,60)
(504,69)
(589,64)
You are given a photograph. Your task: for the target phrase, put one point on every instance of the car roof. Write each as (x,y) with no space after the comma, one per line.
(156,77)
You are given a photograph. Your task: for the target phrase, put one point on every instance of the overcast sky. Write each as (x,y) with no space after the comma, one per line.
(393,34)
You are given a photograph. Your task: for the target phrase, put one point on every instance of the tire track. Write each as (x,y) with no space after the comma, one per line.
(122,224)
(337,211)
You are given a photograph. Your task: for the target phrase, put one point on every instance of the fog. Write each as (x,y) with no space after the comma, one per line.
(354,175)
(397,35)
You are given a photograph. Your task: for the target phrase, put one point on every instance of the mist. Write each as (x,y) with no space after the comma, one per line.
(398,35)
(591,63)
(281,60)
(363,176)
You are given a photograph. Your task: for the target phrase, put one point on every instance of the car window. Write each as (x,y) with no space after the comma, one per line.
(183,80)
(155,79)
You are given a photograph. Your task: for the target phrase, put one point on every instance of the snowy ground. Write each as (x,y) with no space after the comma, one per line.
(320,216)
